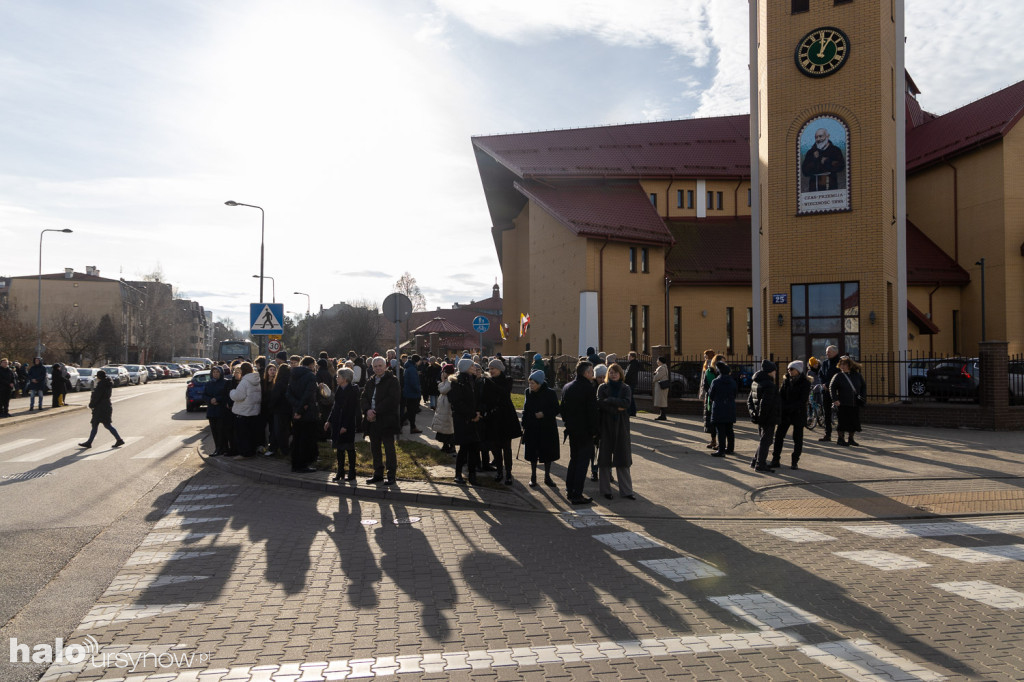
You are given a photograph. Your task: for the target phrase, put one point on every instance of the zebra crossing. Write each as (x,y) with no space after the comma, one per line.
(996,596)
(39,450)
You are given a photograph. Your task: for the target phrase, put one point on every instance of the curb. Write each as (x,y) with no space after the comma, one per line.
(42,414)
(353,491)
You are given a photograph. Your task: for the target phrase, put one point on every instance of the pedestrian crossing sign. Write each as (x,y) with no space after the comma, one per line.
(266,318)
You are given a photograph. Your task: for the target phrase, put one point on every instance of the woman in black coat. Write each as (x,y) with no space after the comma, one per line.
(280,411)
(8,385)
(540,430)
(215,394)
(501,424)
(848,392)
(102,410)
(342,422)
(466,398)
(614,398)
(58,385)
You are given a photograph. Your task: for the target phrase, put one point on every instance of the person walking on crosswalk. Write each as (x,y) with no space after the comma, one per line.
(102,410)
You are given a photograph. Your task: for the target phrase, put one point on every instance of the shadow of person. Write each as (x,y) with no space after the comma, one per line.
(409,560)
(358,562)
(573,577)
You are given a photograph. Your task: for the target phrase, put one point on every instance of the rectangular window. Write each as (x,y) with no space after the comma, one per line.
(644,267)
(718,201)
(679,198)
(632,326)
(843,2)
(677,330)
(689,198)
(645,330)
(800,6)
(632,259)
(711,200)
(728,331)
(823,315)
(654,199)
(748,197)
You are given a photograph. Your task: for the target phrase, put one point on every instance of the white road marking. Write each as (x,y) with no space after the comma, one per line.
(981,555)
(986,593)
(17,444)
(861,660)
(885,561)
(179,521)
(97,454)
(939,529)
(586,518)
(626,541)
(680,569)
(798,534)
(765,611)
(161,448)
(67,447)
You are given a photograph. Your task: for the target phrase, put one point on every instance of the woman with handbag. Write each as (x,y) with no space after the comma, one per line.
(613,400)
(707,375)
(661,383)
(849,394)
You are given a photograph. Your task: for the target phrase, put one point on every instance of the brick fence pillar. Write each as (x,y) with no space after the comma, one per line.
(994,382)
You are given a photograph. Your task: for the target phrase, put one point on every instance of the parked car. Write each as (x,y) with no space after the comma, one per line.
(137,373)
(86,378)
(953,378)
(917,375)
(676,389)
(118,375)
(1016,382)
(73,377)
(194,398)
(154,373)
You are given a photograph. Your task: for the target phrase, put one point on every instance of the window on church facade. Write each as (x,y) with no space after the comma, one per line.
(632,259)
(645,330)
(632,326)
(823,315)
(728,331)
(677,330)
(654,199)
(644,265)
(801,6)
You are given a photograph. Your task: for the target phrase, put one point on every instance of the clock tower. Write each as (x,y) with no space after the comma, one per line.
(828,177)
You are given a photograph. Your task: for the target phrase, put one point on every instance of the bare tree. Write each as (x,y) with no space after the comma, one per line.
(17,338)
(77,331)
(407,285)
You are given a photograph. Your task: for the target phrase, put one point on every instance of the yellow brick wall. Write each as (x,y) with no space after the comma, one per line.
(700,331)
(734,197)
(515,270)
(1013,225)
(94,299)
(943,302)
(621,288)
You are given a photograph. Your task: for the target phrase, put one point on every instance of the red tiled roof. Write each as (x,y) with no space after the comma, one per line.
(615,211)
(924,325)
(710,252)
(975,124)
(439,325)
(696,148)
(929,264)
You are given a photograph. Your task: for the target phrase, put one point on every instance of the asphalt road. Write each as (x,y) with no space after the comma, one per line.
(69,516)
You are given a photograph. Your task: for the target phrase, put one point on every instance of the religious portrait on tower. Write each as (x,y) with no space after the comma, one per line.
(823,162)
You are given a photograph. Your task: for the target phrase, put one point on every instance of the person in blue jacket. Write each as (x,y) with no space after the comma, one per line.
(411,392)
(215,394)
(36,383)
(722,395)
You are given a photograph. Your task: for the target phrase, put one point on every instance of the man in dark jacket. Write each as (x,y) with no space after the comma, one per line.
(379,404)
(829,368)
(723,410)
(102,410)
(8,384)
(468,412)
(763,406)
(580,416)
(411,393)
(795,390)
(301,395)
(36,383)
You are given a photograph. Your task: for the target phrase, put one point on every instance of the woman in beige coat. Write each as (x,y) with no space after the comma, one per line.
(661,394)
(442,424)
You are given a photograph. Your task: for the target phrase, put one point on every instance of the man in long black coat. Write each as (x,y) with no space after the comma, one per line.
(580,416)
(379,404)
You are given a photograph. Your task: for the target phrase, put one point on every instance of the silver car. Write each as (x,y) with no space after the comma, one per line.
(137,373)
(86,378)
(118,375)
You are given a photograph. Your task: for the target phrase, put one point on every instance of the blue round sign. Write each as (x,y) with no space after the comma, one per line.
(481,324)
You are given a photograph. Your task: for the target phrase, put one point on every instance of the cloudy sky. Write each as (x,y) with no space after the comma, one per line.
(349,122)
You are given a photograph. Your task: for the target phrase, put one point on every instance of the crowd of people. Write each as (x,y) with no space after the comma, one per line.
(20,379)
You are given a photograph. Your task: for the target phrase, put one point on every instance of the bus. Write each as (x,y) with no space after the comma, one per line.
(236,348)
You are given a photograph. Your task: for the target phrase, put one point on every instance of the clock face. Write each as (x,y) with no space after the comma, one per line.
(822,52)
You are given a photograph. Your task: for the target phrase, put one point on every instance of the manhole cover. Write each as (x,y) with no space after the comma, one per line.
(26,475)
(369,522)
(407,520)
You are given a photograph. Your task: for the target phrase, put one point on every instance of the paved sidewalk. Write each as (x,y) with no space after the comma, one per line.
(897,472)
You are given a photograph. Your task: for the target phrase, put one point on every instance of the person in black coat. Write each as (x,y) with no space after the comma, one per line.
(102,410)
(614,399)
(342,422)
(215,394)
(763,406)
(60,382)
(501,423)
(8,385)
(301,396)
(379,404)
(580,416)
(722,396)
(828,370)
(848,392)
(468,410)
(794,392)
(280,411)
(540,430)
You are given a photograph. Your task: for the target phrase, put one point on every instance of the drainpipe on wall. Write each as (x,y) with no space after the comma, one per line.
(668,195)
(736,199)
(931,316)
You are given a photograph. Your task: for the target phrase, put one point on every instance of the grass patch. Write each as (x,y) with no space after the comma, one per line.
(519,400)
(416,462)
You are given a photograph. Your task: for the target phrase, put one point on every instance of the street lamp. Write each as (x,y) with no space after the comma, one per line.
(263,221)
(273,288)
(308,322)
(39,293)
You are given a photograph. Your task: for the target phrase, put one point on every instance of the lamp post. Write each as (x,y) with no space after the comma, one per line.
(273,287)
(263,221)
(308,321)
(981,262)
(39,292)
